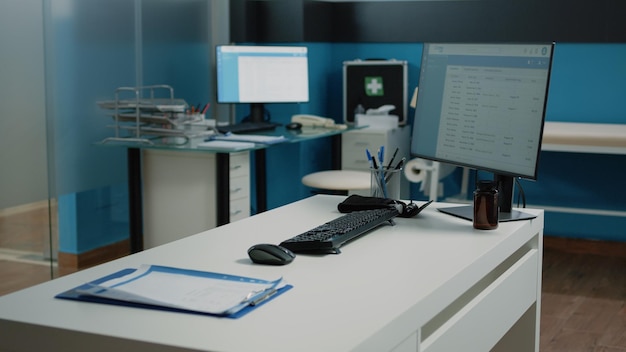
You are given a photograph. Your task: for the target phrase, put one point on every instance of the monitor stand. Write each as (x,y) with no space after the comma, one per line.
(257,112)
(467,212)
(505,190)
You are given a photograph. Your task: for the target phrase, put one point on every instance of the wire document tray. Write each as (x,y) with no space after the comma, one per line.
(140,111)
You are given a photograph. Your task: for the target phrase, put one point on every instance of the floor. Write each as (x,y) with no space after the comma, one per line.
(583,302)
(583,294)
(23,231)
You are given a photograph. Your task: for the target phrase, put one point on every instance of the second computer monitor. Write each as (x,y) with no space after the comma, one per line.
(262,74)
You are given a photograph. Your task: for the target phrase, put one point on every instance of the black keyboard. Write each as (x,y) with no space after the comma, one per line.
(248,127)
(330,236)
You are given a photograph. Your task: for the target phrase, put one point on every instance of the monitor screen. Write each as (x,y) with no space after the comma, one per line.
(262,74)
(482,106)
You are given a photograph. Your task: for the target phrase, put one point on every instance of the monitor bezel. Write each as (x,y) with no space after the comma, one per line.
(259,49)
(504,172)
(504,178)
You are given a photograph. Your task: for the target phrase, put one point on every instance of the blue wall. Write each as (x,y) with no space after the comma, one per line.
(93,218)
(587,85)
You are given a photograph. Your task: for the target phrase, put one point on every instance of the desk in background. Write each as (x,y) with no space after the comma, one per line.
(593,138)
(584,137)
(430,283)
(210,169)
(574,137)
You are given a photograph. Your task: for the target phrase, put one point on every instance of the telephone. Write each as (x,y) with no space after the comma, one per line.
(316,121)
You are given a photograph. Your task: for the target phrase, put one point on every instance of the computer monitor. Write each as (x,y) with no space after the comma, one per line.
(262,74)
(482,106)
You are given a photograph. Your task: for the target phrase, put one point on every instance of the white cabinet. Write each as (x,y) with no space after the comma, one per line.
(354,143)
(239,186)
(179,193)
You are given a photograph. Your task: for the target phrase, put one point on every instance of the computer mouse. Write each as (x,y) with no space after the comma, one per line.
(272,254)
(293,126)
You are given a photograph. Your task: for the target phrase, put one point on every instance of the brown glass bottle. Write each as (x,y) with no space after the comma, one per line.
(486,206)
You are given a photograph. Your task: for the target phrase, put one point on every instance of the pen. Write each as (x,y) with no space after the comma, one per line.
(392,158)
(206,107)
(398,167)
(374,164)
(381,173)
(369,157)
(400,163)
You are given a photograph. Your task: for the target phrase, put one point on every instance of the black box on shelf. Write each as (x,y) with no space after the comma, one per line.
(372,84)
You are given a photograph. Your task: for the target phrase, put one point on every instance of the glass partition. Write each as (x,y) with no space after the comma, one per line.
(27,239)
(65,200)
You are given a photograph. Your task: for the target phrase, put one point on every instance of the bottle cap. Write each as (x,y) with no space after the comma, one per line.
(486,185)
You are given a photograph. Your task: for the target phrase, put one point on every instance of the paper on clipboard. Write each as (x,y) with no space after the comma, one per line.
(253,138)
(189,290)
(226,145)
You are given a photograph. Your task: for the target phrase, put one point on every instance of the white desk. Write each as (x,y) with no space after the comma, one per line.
(430,283)
(163,183)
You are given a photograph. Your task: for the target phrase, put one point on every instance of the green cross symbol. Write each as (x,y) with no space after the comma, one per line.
(374,86)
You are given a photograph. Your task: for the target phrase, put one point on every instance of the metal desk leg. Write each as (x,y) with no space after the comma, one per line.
(261,171)
(261,180)
(336,151)
(222,176)
(135,200)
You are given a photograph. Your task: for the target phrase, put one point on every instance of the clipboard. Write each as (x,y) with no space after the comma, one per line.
(250,303)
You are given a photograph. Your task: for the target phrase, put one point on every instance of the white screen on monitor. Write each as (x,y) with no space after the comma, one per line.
(262,74)
(482,105)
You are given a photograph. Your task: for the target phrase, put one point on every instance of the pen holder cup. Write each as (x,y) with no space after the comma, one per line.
(385,182)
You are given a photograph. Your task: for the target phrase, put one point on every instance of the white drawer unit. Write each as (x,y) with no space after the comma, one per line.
(239,186)
(179,193)
(480,317)
(354,143)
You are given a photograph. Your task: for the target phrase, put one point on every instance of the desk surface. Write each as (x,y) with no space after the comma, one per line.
(369,297)
(191,143)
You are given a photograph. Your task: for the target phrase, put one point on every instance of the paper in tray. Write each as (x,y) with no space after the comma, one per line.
(226,145)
